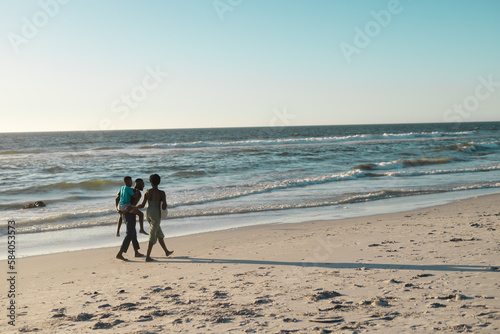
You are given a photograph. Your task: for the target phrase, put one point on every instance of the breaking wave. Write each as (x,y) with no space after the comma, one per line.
(403,163)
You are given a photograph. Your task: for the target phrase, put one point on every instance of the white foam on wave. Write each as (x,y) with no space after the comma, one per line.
(478,169)
(227,192)
(208,211)
(308,140)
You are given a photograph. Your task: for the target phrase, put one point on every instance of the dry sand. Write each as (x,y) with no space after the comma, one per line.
(434,269)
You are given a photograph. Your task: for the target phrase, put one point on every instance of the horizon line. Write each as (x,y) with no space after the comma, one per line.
(244,127)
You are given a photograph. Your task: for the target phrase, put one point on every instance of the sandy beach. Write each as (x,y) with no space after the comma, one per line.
(433,269)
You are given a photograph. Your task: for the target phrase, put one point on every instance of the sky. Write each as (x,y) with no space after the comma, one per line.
(70,65)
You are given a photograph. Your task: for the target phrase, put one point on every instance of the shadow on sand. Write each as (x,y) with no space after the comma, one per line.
(331,265)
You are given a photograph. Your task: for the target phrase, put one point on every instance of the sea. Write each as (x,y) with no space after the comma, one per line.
(223,178)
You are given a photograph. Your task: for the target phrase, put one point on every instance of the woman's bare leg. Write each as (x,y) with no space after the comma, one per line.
(148,254)
(162,244)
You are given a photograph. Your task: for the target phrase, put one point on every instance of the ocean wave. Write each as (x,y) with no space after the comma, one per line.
(54,170)
(12,206)
(395,193)
(227,192)
(108,217)
(347,199)
(65,217)
(472,147)
(13,152)
(48,202)
(50,227)
(66,220)
(189,174)
(478,169)
(105,148)
(84,185)
(307,140)
(403,163)
(434,134)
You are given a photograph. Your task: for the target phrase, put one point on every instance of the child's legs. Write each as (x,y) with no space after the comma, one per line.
(139,214)
(120,220)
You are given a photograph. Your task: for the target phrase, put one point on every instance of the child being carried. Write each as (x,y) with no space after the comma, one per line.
(126,198)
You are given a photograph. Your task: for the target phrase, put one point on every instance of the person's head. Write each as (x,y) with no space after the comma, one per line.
(155,179)
(139,184)
(128,181)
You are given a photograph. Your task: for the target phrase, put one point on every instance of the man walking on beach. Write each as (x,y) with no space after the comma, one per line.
(123,202)
(131,236)
(139,186)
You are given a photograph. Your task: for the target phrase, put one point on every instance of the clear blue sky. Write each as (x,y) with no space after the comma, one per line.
(123,64)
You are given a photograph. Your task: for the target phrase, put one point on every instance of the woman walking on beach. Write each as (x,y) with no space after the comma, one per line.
(157,201)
